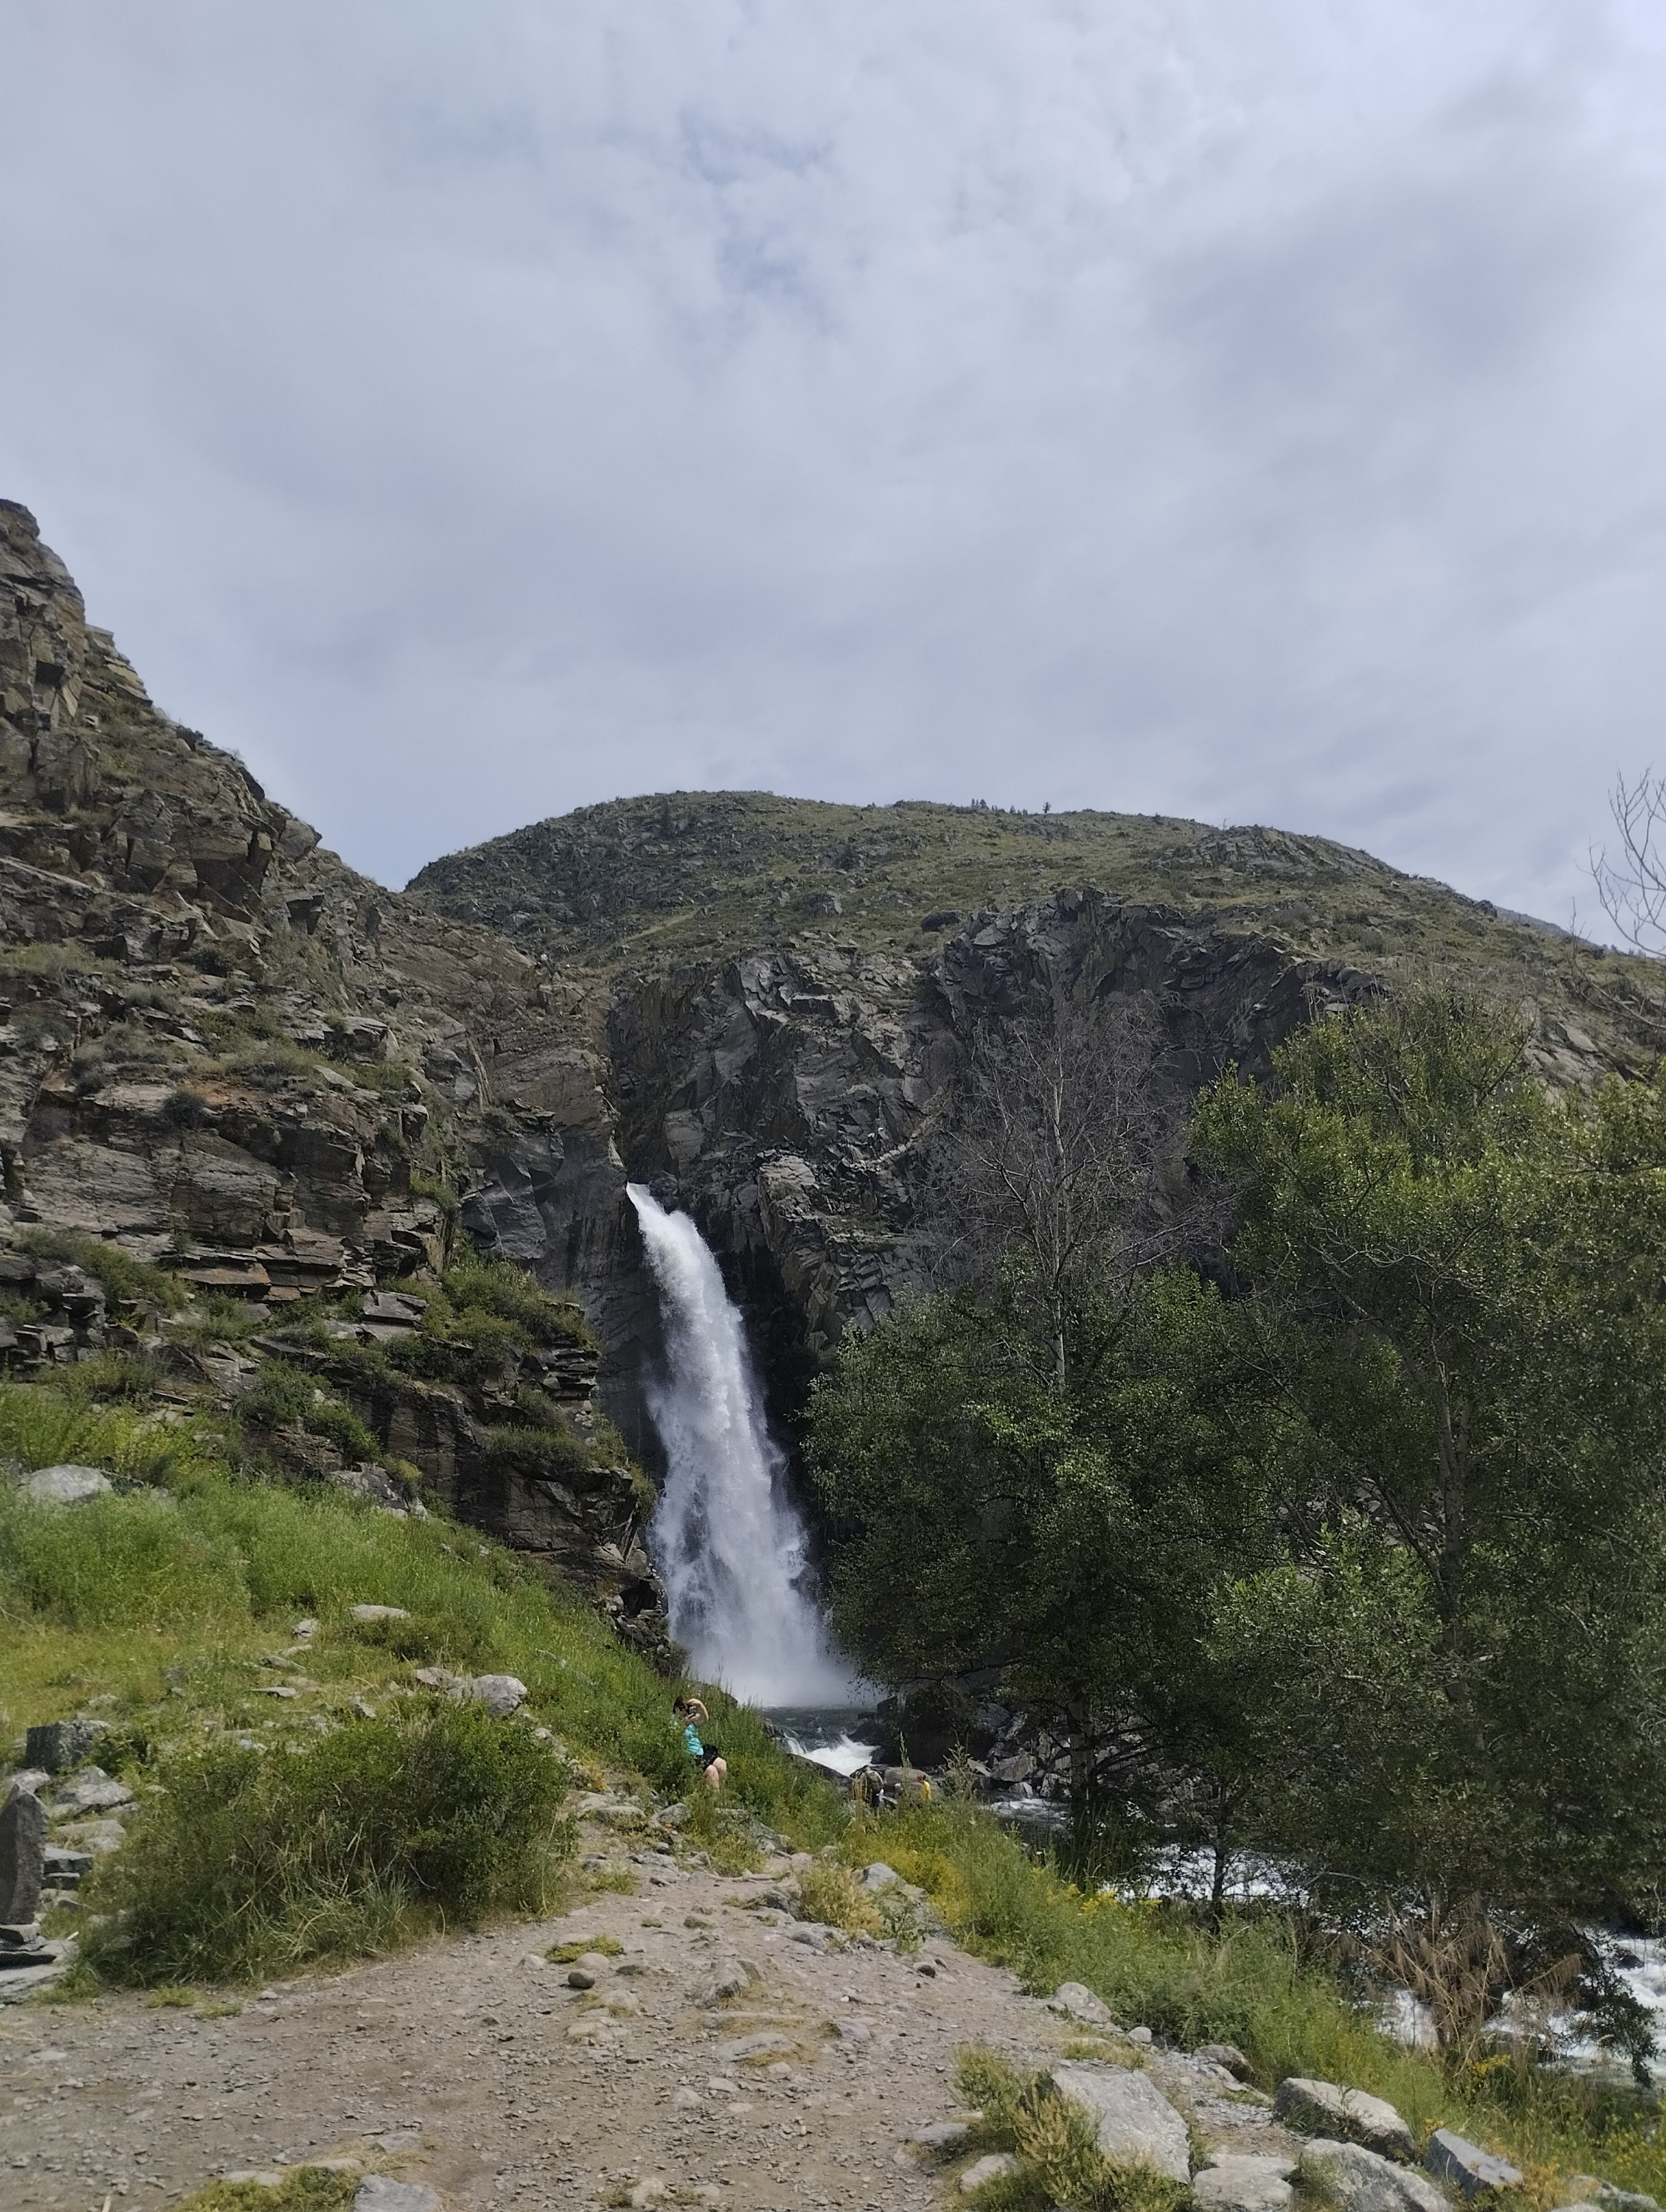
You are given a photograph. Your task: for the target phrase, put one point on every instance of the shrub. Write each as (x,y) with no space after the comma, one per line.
(494,1286)
(283,1396)
(302,2189)
(832,1894)
(1059,2161)
(251,1860)
(121,1274)
(471,1348)
(540,1451)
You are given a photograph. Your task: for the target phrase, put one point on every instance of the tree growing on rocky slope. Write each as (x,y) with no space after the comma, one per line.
(1631,880)
(1049,1174)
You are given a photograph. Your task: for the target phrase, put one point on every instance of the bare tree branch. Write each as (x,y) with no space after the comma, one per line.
(1053,1161)
(1632,883)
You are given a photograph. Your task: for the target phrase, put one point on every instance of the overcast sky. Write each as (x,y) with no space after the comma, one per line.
(469,411)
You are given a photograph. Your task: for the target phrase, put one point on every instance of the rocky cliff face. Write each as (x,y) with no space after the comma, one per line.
(779,1054)
(222,1050)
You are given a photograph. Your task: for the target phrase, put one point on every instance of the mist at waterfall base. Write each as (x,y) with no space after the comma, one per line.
(730,1545)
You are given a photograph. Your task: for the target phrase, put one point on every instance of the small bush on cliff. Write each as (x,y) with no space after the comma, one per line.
(48,1427)
(283,1396)
(251,1860)
(121,1274)
(467,1348)
(539,1451)
(493,1286)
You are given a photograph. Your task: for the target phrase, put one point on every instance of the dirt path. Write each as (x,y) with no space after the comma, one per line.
(470,2065)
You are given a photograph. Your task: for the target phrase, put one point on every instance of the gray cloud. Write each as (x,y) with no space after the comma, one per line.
(471,413)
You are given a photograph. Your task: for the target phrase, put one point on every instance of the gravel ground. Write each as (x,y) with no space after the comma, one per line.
(472,2065)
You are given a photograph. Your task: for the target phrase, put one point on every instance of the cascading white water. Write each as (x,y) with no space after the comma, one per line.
(727,1538)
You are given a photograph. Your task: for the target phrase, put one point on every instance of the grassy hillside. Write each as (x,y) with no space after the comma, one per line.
(653,882)
(168,1610)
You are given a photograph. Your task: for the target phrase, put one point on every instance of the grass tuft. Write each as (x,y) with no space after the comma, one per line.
(302,2189)
(832,1894)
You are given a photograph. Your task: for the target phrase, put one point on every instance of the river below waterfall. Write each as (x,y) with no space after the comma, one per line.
(842,1738)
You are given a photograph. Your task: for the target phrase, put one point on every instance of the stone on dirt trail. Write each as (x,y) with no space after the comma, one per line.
(378,2193)
(1359,2181)
(1322,2108)
(66,1485)
(1081,2003)
(1474,2170)
(726,1980)
(1227,2055)
(993,2165)
(97,1794)
(944,2136)
(22,1854)
(1135,2123)
(759,2046)
(1246,2184)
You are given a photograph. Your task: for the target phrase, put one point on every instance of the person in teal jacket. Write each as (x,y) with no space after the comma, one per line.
(692,1716)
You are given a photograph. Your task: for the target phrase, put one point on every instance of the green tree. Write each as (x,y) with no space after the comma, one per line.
(1066,1541)
(1456,1283)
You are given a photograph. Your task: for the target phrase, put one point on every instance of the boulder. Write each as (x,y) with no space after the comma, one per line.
(57,1745)
(993,2165)
(23,1855)
(1323,2108)
(767,2043)
(66,1485)
(878,1876)
(1134,2123)
(380,2192)
(1080,2001)
(1474,2170)
(1228,2057)
(22,1946)
(728,1979)
(944,2135)
(1245,2184)
(1359,2181)
(98,1794)
(380,1613)
(501,1694)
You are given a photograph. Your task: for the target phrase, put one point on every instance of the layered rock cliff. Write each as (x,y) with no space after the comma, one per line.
(223,1051)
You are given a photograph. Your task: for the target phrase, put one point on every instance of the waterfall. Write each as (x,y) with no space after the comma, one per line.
(727,1537)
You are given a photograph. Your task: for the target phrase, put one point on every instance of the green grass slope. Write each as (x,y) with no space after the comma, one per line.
(167,1609)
